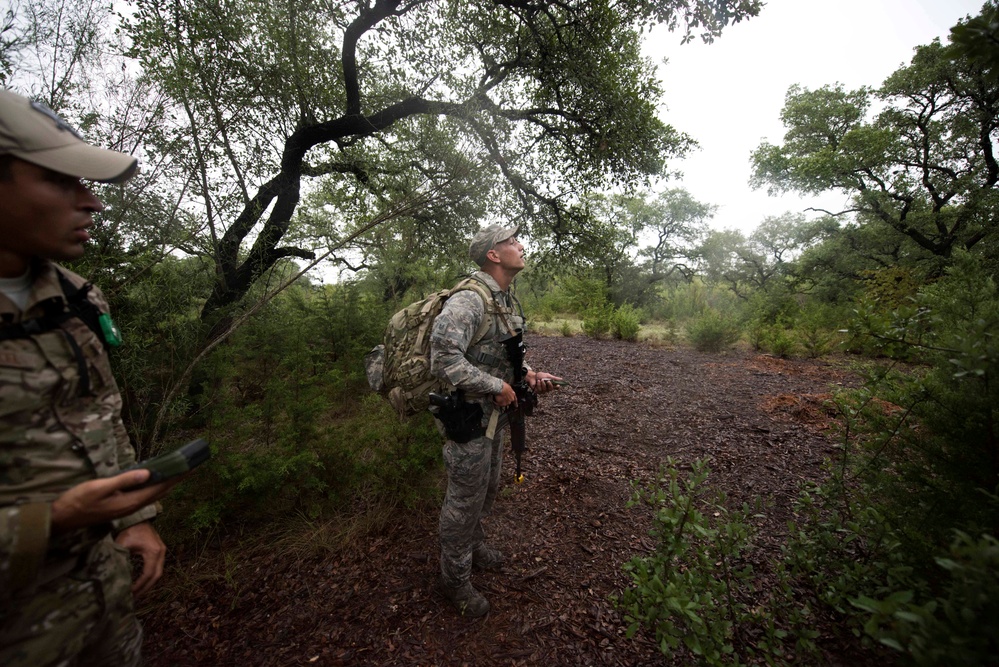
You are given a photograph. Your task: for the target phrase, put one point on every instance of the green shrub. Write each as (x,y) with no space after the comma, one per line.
(294,428)
(693,590)
(932,457)
(892,286)
(625,323)
(541,313)
(841,547)
(597,321)
(584,295)
(918,467)
(815,334)
(960,626)
(367,451)
(158,314)
(780,342)
(757,335)
(712,332)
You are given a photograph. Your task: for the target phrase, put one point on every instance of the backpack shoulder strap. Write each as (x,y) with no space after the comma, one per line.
(55,312)
(488,299)
(82,307)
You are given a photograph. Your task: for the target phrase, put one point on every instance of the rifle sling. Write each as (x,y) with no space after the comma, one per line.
(493,423)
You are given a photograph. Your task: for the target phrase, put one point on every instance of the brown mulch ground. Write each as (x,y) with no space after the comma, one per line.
(761,422)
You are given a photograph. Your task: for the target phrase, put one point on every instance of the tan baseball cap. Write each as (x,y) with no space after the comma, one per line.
(486,238)
(33,132)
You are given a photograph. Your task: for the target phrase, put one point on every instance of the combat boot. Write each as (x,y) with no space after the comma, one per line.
(466,599)
(487,558)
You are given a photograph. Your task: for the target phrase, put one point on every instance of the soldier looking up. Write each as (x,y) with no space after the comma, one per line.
(67,521)
(482,370)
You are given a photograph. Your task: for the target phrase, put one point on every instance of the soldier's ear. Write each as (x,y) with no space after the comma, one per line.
(492,255)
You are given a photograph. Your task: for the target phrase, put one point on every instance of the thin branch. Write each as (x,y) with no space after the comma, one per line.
(407,208)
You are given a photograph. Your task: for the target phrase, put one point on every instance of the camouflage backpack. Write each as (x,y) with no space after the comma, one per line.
(399,369)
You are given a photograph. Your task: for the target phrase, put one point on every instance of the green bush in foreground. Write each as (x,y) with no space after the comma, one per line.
(598,320)
(625,323)
(696,590)
(900,540)
(851,559)
(712,332)
(958,627)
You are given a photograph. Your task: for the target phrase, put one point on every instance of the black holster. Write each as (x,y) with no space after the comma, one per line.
(462,421)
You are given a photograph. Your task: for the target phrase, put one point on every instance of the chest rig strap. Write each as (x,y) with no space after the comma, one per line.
(493,311)
(55,312)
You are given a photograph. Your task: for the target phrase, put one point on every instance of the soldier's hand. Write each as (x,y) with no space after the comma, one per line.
(506,397)
(541,382)
(143,541)
(101,500)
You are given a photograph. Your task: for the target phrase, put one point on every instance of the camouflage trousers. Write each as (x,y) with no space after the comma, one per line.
(81,619)
(473,473)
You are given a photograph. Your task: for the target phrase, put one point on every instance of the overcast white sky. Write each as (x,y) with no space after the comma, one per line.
(728,95)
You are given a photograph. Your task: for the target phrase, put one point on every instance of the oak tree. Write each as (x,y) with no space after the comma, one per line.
(924,165)
(515,105)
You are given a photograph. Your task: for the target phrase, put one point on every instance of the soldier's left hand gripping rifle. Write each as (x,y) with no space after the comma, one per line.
(526,399)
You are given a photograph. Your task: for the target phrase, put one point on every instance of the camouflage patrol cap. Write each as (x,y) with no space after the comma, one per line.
(34,133)
(486,238)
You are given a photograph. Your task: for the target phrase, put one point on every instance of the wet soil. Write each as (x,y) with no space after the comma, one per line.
(762,423)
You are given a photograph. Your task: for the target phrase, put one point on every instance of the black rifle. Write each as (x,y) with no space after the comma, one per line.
(526,398)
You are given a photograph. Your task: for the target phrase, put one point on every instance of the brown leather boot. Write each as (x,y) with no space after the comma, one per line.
(466,599)
(487,558)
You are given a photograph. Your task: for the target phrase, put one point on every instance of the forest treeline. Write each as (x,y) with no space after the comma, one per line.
(368,141)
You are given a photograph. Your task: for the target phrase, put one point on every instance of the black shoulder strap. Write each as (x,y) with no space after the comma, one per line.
(82,307)
(54,314)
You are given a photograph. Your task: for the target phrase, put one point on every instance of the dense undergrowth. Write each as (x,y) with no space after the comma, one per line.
(898,541)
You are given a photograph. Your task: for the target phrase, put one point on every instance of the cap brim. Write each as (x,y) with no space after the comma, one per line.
(84,161)
(513,232)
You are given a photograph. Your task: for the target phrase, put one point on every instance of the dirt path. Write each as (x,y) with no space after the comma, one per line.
(565,531)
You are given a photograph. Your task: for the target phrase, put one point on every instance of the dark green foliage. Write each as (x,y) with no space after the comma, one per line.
(157,312)
(625,323)
(919,466)
(691,591)
(959,626)
(293,425)
(777,340)
(841,545)
(817,330)
(598,320)
(712,332)
(349,318)
(891,286)
(366,456)
(938,612)
(585,294)
(697,592)
(940,446)
(771,322)
(977,39)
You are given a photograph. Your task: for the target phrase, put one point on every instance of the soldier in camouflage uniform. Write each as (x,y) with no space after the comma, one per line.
(482,369)
(67,522)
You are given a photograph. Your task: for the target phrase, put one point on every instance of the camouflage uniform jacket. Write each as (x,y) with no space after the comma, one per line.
(480,368)
(54,434)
